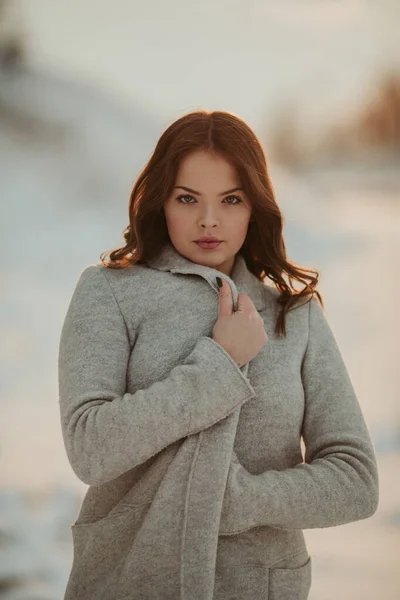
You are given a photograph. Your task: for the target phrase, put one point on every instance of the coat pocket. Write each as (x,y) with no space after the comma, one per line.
(99,549)
(292,583)
(247,582)
(241,582)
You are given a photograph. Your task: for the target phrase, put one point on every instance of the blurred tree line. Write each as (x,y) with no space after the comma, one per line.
(371,133)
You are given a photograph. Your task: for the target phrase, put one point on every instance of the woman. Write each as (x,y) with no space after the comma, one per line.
(183,404)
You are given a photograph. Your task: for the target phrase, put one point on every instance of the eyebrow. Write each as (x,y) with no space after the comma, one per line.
(187,189)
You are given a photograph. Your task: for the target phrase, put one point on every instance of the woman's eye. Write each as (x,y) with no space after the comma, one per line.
(180,199)
(236,197)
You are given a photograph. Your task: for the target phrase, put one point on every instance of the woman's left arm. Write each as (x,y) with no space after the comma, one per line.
(338,482)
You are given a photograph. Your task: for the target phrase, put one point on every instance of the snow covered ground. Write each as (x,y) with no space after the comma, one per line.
(68,158)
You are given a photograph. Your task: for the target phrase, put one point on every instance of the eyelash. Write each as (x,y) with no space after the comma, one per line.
(189,196)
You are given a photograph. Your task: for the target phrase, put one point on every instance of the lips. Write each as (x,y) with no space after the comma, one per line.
(208,245)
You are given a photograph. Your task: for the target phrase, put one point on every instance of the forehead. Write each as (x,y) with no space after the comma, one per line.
(203,167)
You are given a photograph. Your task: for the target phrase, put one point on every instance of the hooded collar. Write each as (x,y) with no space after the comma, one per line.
(242,281)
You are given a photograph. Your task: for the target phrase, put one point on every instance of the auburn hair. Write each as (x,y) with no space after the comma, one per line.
(264,247)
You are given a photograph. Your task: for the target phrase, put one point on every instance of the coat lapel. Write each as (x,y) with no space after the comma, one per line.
(208,451)
(242,281)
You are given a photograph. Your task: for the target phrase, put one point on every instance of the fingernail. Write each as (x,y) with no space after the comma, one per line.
(219,281)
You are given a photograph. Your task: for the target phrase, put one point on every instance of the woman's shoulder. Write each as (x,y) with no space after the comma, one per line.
(297,318)
(97,277)
(272,295)
(98,271)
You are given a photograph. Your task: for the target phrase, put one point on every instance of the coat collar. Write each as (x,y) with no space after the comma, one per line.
(242,281)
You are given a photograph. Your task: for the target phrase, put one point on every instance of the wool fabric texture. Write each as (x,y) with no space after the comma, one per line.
(198,488)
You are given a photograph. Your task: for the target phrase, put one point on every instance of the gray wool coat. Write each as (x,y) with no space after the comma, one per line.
(197,485)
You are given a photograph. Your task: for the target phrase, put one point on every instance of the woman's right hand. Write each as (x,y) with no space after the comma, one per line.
(241,333)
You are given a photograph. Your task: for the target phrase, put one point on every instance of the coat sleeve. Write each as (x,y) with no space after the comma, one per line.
(107,431)
(338,482)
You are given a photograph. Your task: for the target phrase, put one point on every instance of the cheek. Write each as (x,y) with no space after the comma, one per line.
(171,215)
(178,220)
(241,226)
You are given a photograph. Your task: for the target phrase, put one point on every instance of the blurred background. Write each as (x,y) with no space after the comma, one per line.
(86,89)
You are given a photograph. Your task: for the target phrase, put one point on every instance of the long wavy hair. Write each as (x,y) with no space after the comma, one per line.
(263,249)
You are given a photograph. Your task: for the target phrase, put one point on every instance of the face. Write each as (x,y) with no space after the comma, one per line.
(200,205)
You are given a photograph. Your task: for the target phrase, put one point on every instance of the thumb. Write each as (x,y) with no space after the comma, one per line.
(225,299)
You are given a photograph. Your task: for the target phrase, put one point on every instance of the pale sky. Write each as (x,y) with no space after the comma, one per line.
(246,57)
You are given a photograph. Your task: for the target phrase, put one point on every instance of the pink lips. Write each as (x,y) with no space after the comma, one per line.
(208,245)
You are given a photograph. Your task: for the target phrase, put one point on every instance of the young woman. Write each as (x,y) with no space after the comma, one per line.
(183,404)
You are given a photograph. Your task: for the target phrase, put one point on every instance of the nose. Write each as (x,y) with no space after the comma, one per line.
(208,218)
